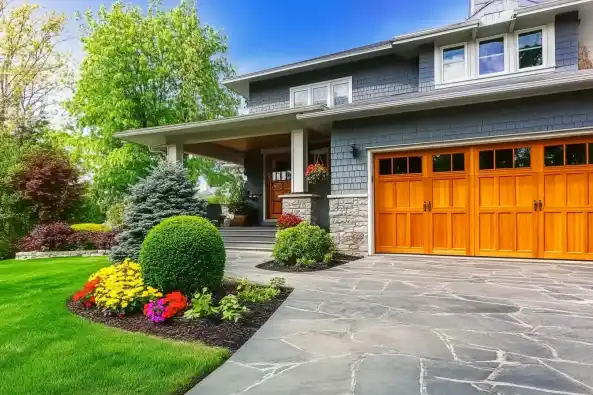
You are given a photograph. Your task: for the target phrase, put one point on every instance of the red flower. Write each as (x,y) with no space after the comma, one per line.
(288,220)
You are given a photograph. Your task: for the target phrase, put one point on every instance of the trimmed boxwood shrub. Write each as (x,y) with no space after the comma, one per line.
(303,244)
(183,253)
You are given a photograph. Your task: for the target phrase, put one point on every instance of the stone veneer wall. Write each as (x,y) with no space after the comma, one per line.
(348,218)
(22,256)
(305,206)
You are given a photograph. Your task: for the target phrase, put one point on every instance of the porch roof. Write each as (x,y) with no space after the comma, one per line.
(251,125)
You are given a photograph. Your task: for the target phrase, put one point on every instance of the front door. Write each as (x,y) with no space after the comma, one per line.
(278,179)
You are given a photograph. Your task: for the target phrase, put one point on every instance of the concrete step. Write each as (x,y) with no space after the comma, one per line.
(258,238)
(249,247)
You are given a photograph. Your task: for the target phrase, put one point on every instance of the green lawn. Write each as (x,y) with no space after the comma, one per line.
(44,349)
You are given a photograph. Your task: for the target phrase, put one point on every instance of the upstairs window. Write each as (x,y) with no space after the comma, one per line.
(531,49)
(330,93)
(491,56)
(454,65)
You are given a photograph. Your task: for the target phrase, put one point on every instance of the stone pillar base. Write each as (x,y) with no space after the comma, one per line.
(348,219)
(302,204)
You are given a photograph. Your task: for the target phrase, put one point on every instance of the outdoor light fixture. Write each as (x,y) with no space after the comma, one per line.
(354,151)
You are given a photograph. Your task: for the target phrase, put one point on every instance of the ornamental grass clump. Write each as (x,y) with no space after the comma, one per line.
(121,289)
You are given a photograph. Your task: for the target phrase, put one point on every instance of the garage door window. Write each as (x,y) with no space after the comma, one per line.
(576,154)
(448,162)
(568,155)
(591,153)
(397,166)
(507,158)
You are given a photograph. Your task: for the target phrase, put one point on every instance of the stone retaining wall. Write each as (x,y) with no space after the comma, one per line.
(22,256)
(305,206)
(348,218)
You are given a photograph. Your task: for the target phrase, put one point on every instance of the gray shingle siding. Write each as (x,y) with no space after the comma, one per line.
(426,68)
(376,78)
(567,41)
(553,112)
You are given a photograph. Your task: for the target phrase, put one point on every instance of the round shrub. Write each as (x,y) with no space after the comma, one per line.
(303,244)
(183,253)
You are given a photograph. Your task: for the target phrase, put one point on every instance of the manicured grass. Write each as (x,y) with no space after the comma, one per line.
(45,349)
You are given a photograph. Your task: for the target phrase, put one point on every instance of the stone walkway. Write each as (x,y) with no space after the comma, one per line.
(402,325)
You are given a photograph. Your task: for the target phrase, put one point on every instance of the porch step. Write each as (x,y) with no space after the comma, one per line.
(249,238)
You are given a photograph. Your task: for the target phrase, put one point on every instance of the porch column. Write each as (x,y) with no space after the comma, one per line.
(299,147)
(175,153)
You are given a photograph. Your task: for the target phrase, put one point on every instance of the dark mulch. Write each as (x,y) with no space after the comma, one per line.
(339,259)
(212,332)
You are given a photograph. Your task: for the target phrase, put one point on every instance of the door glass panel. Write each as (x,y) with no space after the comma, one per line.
(459,162)
(384,167)
(415,164)
(441,163)
(576,154)
(486,160)
(554,155)
(400,166)
(523,157)
(504,158)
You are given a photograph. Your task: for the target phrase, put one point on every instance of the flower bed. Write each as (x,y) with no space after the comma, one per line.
(209,330)
(277,266)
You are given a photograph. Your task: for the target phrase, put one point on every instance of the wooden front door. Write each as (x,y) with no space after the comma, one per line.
(278,182)
(565,202)
(506,189)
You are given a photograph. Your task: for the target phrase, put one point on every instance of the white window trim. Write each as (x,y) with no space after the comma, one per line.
(511,58)
(505,54)
(328,84)
(439,61)
(548,47)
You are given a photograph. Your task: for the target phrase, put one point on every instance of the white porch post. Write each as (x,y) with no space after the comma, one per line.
(175,153)
(299,146)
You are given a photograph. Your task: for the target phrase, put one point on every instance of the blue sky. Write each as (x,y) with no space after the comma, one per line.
(267,33)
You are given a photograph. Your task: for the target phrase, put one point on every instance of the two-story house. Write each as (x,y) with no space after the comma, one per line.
(472,139)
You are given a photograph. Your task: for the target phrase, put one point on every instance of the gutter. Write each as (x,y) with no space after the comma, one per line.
(403,105)
(548,6)
(439,31)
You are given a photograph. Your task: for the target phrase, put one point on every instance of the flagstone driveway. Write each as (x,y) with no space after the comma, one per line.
(402,325)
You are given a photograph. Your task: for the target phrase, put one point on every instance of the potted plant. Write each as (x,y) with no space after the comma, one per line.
(317,173)
(240,211)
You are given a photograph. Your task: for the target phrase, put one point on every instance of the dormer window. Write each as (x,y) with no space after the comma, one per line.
(491,56)
(531,49)
(527,51)
(330,93)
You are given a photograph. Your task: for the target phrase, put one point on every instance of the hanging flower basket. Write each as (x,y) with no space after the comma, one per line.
(317,173)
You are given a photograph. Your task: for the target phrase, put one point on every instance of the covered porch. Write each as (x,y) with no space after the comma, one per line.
(274,150)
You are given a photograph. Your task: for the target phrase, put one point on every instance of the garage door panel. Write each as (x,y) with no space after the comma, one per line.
(506,191)
(386,196)
(576,190)
(525,226)
(402,194)
(524,191)
(487,230)
(460,193)
(417,234)
(487,192)
(591,189)
(401,230)
(555,190)
(386,230)
(576,232)
(552,232)
(506,232)
(590,232)
(459,230)
(440,230)
(416,195)
(441,193)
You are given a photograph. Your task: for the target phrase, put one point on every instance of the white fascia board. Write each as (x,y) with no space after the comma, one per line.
(548,6)
(436,32)
(583,79)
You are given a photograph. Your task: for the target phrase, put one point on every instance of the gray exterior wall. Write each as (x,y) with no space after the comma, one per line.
(553,112)
(381,77)
(567,41)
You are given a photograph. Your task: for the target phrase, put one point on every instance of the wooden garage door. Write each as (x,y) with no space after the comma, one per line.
(529,200)
(505,191)
(565,201)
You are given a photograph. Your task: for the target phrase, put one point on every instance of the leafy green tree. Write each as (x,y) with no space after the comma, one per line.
(141,70)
